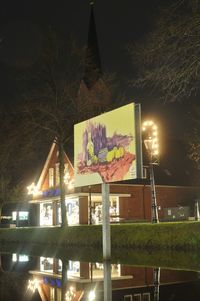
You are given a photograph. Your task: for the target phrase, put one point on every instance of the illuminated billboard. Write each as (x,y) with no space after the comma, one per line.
(106,147)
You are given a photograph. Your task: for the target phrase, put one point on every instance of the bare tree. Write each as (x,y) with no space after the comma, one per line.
(168,58)
(50,102)
(57,97)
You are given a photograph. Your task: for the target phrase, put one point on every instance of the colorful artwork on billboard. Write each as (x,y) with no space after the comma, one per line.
(105,148)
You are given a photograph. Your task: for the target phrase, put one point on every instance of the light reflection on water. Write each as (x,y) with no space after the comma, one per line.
(29,278)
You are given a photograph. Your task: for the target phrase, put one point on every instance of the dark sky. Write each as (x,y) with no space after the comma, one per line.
(117,22)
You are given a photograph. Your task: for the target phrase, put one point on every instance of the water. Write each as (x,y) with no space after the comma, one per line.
(34,274)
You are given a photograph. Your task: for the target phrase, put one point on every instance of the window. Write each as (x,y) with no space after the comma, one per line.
(51,177)
(46,264)
(46,214)
(146,297)
(137,297)
(128,298)
(23,215)
(57,174)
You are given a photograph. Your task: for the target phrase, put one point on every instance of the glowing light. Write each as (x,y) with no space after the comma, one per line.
(33,284)
(92,295)
(33,190)
(71,184)
(70,294)
(151,141)
(66,177)
(68,181)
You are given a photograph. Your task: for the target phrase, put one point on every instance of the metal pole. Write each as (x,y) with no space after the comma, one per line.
(90,206)
(156,276)
(106,222)
(107,283)
(91,271)
(197,216)
(154,207)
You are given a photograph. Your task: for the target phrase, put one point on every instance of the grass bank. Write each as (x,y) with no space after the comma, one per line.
(163,236)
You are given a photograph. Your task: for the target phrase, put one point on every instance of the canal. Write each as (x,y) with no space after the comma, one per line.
(36,273)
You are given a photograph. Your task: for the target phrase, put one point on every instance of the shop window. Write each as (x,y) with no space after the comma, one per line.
(14,216)
(23,215)
(20,258)
(57,174)
(96,209)
(23,258)
(72,211)
(46,264)
(97,270)
(46,214)
(128,298)
(51,177)
(74,268)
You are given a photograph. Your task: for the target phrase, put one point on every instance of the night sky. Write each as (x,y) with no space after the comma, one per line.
(118,23)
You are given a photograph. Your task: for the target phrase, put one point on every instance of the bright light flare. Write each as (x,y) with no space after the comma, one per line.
(151,130)
(33,284)
(70,294)
(33,190)
(91,295)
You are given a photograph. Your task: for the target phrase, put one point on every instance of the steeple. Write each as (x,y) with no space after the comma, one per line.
(92,58)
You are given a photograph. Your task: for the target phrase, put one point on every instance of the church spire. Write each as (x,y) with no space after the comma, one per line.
(92,60)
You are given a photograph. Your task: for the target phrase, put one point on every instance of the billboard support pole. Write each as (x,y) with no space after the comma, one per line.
(107,282)
(106,222)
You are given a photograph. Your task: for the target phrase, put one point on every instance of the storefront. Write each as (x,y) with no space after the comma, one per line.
(50,210)
(128,202)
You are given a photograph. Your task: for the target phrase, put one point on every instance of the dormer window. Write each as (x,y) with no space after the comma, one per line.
(51,177)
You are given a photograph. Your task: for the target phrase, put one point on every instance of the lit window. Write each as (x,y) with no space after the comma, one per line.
(46,214)
(14,215)
(23,215)
(14,257)
(23,258)
(51,177)
(57,174)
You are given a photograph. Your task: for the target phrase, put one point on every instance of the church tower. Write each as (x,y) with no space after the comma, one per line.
(93,93)
(93,71)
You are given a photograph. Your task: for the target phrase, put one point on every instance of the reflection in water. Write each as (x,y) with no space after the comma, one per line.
(156,278)
(51,279)
(107,281)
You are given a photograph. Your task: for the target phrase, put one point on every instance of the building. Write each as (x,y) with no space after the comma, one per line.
(129,202)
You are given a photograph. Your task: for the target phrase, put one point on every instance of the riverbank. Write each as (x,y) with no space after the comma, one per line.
(163,236)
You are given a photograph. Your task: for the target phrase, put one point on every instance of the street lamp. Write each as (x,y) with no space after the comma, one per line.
(151,144)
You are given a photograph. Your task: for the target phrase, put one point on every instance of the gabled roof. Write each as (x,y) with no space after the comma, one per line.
(53,150)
